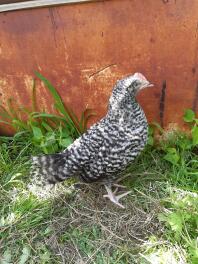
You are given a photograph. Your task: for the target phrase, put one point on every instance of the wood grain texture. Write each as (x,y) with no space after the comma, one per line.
(84,48)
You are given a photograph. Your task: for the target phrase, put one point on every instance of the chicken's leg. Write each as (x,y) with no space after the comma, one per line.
(112,197)
(119,186)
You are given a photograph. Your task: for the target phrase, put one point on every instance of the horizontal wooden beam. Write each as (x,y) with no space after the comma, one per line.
(39,3)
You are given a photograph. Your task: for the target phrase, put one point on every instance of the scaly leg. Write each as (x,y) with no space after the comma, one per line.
(116,183)
(111,195)
(123,178)
(119,185)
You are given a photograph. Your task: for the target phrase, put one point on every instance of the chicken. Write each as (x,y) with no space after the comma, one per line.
(105,150)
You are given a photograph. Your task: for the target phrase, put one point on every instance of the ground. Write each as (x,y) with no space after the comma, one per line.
(77,225)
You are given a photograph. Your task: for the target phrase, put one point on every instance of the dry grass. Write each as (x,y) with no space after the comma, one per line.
(96,230)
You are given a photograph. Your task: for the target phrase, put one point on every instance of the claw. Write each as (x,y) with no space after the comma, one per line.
(122,195)
(112,197)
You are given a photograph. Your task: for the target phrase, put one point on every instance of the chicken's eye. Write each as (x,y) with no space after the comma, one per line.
(135,84)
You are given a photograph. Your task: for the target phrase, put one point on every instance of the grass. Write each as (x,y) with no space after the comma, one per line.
(77,225)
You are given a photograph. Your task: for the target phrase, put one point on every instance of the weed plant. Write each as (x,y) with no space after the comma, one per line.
(48,132)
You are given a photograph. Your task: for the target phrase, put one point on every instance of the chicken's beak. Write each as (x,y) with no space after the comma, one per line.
(147,84)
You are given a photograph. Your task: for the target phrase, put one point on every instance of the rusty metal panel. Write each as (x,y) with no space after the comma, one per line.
(12,1)
(83,49)
(10,5)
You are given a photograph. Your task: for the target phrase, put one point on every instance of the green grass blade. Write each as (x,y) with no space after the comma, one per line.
(34,102)
(86,115)
(45,115)
(58,103)
(53,92)
(75,120)
(67,117)
(47,127)
(25,110)
(11,108)
(4,113)
(4,122)
(19,125)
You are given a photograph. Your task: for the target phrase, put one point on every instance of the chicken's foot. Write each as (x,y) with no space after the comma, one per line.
(114,198)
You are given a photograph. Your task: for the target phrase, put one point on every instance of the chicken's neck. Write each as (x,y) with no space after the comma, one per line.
(127,110)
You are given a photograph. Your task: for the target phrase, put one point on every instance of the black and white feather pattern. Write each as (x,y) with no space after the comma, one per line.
(107,147)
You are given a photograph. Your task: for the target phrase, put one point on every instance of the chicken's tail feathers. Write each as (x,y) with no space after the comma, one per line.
(49,169)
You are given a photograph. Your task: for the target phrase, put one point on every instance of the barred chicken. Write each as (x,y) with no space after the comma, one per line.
(104,151)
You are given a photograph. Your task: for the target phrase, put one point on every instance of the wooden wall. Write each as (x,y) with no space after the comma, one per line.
(84,48)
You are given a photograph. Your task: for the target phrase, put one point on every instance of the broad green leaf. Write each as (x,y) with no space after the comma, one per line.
(171,150)
(47,144)
(64,132)
(49,140)
(38,135)
(150,130)
(175,220)
(172,156)
(189,115)
(185,143)
(150,141)
(65,142)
